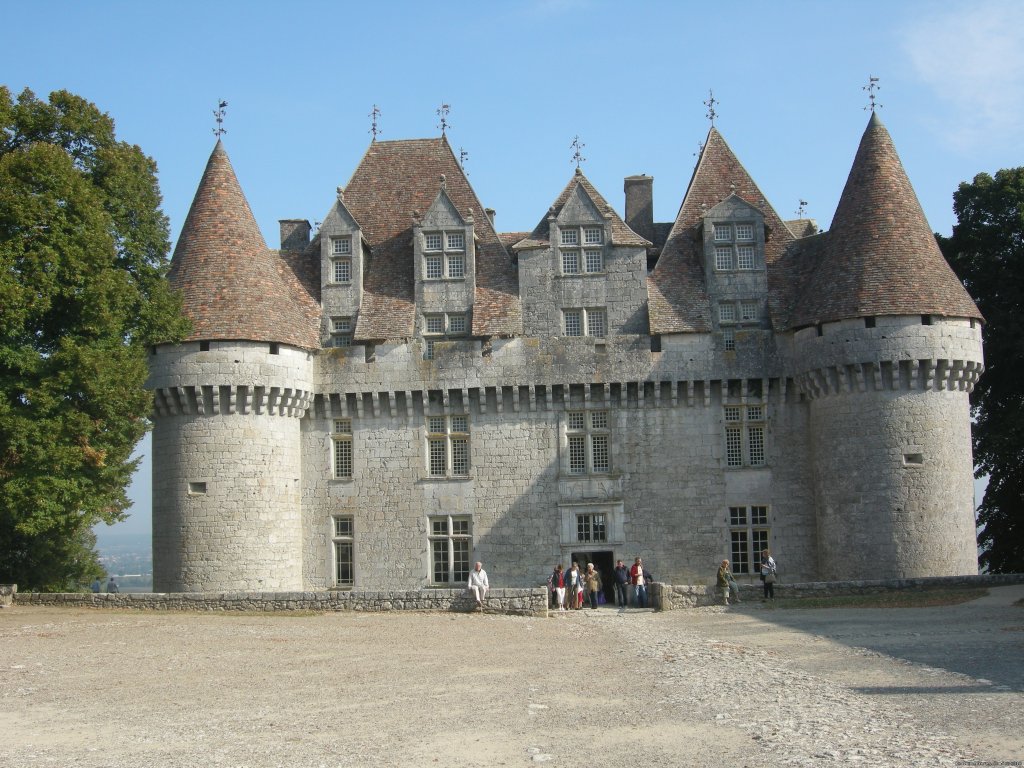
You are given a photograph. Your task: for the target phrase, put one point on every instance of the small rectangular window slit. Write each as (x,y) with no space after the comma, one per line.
(197,489)
(913,459)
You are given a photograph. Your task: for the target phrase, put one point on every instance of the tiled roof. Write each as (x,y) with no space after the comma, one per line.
(881,257)
(676,287)
(394,180)
(233,286)
(621,234)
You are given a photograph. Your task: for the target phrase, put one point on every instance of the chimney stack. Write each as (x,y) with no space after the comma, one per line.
(294,234)
(640,205)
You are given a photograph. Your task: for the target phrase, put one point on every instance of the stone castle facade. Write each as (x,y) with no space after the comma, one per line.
(409,390)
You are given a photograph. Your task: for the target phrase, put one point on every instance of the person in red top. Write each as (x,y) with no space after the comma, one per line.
(557,582)
(639,579)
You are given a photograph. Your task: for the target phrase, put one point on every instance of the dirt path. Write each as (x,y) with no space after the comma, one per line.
(597,688)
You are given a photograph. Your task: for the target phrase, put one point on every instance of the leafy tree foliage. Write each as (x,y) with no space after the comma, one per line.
(987,252)
(83,254)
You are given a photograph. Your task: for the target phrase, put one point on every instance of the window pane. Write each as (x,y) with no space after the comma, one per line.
(599,419)
(438,463)
(595,261)
(732,412)
(596,323)
(759,542)
(440,552)
(592,236)
(456,241)
(723,232)
(570,237)
(460,456)
(748,310)
(341,245)
(456,266)
(342,270)
(723,258)
(583,528)
(435,323)
(755,413)
(433,241)
(755,435)
(460,424)
(759,515)
(343,563)
(744,231)
(729,339)
(573,323)
(733,447)
(600,529)
(460,564)
(577,454)
(570,262)
(576,420)
(343,526)
(460,526)
(740,552)
(456,323)
(343,458)
(745,257)
(439,526)
(600,445)
(727,312)
(737,515)
(436,425)
(434,267)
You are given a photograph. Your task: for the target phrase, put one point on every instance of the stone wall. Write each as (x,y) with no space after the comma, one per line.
(519,602)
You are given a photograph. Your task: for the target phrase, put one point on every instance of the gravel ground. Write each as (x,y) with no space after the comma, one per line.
(747,686)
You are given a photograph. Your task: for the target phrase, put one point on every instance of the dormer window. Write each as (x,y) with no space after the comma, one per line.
(735,247)
(341,246)
(570,237)
(341,270)
(447,262)
(588,260)
(593,236)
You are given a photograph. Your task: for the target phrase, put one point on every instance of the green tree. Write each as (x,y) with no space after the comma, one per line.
(83,255)
(987,252)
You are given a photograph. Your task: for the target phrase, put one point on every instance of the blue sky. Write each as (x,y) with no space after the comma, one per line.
(522,79)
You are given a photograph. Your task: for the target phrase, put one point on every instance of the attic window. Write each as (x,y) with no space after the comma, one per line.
(592,235)
(444,255)
(341,246)
(570,237)
(734,247)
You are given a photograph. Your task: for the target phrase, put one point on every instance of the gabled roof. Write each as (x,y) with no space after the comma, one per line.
(233,287)
(881,256)
(678,293)
(394,181)
(621,234)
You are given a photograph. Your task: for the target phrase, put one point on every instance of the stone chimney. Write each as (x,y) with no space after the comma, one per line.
(640,205)
(490,215)
(294,234)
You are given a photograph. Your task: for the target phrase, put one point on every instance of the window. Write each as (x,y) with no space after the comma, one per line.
(729,340)
(570,262)
(341,332)
(449,261)
(749,534)
(726,312)
(343,541)
(593,235)
(570,237)
(441,327)
(341,270)
(591,528)
(341,246)
(341,437)
(585,322)
(450,545)
(744,435)
(588,442)
(592,258)
(448,446)
(748,310)
(595,261)
(730,253)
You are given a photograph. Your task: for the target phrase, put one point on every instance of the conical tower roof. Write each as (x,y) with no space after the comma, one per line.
(233,286)
(881,256)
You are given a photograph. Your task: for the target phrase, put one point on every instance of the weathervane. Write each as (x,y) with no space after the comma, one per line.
(374,115)
(443,114)
(577,155)
(463,156)
(218,115)
(871,87)
(710,104)
(801,211)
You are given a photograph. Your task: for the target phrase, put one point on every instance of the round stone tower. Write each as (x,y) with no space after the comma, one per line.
(228,402)
(887,348)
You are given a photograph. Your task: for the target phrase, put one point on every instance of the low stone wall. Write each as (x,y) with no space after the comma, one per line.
(520,602)
(669,597)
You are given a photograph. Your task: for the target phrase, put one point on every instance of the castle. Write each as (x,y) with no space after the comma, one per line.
(379,405)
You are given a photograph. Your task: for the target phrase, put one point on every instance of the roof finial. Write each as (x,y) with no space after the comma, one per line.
(577,155)
(801,211)
(444,181)
(442,112)
(218,115)
(710,104)
(374,116)
(341,194)
(463,156)
(871,87)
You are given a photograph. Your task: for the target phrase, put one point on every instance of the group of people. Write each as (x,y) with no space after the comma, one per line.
(111,586)
(571,589)
(730,589)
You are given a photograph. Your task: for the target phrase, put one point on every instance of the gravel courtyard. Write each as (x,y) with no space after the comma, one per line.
(749,686)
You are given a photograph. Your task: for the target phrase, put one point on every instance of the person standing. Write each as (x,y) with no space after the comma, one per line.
(768,574)
(558,586)
(95,586)
(639,580)
(727,584)
(112,586)
(478,584)
(621,580)
(574,586)
(593,584)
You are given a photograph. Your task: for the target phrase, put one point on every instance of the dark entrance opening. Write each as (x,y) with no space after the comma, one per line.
(604,563)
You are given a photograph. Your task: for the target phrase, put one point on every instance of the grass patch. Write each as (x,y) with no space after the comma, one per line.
(922,598)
